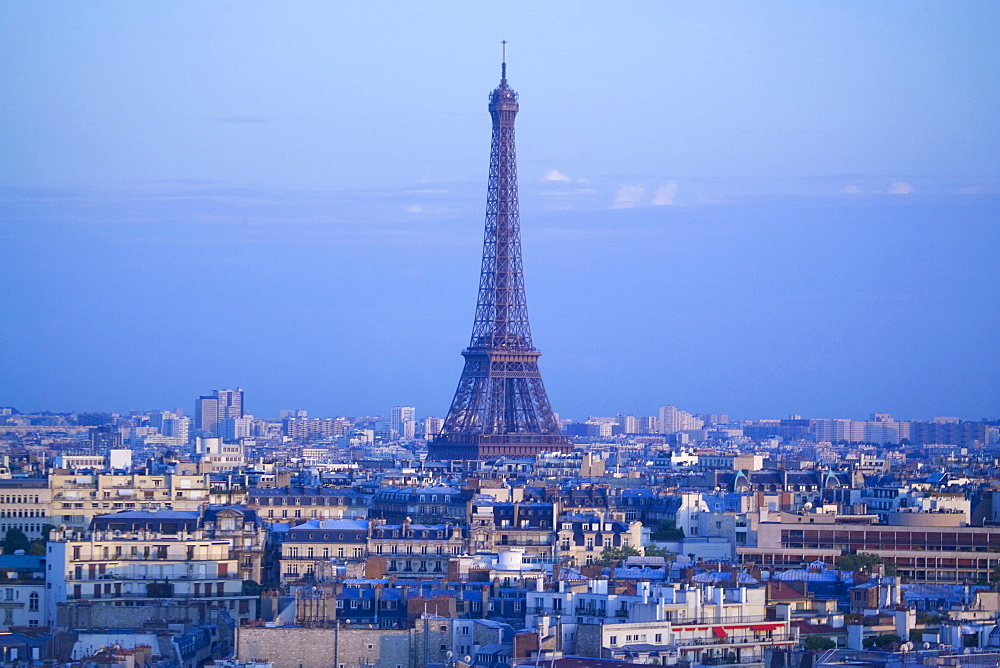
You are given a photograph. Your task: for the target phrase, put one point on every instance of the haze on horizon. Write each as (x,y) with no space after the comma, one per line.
(745,208)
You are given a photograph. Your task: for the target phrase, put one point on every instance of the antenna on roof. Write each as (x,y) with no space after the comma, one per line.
(503,67)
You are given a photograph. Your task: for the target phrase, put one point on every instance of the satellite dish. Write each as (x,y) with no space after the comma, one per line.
(466,658)
(927,645)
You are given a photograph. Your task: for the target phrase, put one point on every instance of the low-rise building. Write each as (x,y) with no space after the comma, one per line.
(22,591)
(313,544)
(416,549)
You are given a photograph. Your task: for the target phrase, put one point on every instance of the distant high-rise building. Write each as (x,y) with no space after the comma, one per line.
(715,419)
(209,411)
(649,425)
(233,429)
(432,426)
(206,414)
(673,420)
(629,424)
(230,403)
(104,438)
(170,424)
(398,418)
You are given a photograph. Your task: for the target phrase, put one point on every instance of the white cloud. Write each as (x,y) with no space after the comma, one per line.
(971,190)
(852,190)
(664,195)
(555,175)
(628,197)
(413,208)
(900,188)
(583,181)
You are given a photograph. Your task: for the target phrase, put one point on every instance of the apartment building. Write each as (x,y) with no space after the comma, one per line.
(312,545)
(22,591)
(143,558)
(502,526)
(698,624)
(416,549)
(78,498)
(299,504)
(924,547)
(582,538)
(25,505)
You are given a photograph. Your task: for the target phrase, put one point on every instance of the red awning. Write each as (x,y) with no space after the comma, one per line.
(719,632)
(765,627)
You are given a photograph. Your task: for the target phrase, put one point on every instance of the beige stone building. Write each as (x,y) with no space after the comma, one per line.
(582,538)
(77,498)
(25,504)
(416,549)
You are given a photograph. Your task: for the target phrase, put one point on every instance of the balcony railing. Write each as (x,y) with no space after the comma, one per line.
(736,640)
(729,661)
(134,596)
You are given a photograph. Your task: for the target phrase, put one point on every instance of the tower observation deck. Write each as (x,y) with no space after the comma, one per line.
(500,406)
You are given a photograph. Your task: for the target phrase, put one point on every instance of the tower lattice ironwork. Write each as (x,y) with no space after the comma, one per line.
(500,406)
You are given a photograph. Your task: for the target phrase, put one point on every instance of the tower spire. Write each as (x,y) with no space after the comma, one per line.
(503,66)
(500,406)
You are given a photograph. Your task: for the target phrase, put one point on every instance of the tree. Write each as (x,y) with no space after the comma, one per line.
(612,555)
(817,642)
(667,531)
(251,588)
(863,561)
(882,641)
(14,540)
(657,551)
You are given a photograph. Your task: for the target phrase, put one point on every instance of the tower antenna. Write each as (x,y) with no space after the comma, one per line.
(503,67)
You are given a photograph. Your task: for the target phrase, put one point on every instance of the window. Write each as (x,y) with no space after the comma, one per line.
(613,640)
(33,601)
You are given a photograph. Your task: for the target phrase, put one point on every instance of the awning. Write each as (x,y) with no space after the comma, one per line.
(719,632)
(765,627)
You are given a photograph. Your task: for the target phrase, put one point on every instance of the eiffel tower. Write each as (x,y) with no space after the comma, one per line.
(500,406)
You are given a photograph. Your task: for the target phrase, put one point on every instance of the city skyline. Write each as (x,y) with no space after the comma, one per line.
(759,210)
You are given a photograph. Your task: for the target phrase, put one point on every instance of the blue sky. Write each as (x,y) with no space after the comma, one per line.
(753,208)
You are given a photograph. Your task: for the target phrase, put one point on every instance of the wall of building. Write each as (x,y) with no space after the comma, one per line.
(327,648)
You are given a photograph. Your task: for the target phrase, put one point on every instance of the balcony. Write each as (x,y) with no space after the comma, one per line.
(753,661)
(546,611)
(174,596)
(739,640)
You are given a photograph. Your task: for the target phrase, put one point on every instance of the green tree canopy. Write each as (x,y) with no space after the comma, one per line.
(612,555)
(657,551)
(863,561)
(818,642)
(667,531)
(14,540)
